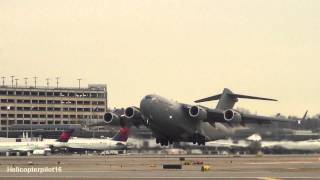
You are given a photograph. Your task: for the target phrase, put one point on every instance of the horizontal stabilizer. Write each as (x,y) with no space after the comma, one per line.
(218,96)
(211,98)
(227,99)
(251,97)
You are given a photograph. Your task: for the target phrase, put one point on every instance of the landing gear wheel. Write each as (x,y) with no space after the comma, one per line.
(199,139)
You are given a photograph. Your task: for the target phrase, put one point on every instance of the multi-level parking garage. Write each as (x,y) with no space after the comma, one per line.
(43,105)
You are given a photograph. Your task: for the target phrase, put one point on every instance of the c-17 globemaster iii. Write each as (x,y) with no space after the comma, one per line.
(171,121)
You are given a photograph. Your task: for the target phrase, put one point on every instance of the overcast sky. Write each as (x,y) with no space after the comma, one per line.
(183,50)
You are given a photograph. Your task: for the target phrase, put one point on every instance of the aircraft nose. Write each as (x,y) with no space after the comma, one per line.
(146,102)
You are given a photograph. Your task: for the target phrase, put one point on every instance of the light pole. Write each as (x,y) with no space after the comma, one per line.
(3,78)
(57,79)
(35,81)
(31,119)
(16,82)
(79,82)
(8,108)
(12,80)
(26,82)
(47,82)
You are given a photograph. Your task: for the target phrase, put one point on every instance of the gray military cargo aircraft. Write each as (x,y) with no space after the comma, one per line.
(171,121)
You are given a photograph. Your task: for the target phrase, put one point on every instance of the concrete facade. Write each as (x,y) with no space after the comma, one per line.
(43,105)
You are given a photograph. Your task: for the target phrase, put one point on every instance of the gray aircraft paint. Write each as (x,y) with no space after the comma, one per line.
(171,120)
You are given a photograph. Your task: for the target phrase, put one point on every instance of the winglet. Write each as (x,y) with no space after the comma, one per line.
(305,115)
(303,118)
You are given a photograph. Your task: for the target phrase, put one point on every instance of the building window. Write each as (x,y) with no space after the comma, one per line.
(26,101)
(10,100)
(100,102)
(101,95)
(49,93)
(26,93)
(41,93)
(3,92)
(35,115)
(79,102)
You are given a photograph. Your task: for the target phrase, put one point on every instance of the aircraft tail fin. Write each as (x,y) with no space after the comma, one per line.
(65,135)
(227,99)
(122,135)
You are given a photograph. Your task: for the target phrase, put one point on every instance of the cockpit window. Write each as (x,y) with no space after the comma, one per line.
(148,97)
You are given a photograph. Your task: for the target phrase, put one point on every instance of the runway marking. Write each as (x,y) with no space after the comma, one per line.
(268,178)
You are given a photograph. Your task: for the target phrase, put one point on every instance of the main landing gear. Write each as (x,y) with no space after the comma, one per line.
(198,139)
(164,141)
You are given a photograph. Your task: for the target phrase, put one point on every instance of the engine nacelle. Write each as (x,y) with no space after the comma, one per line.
(232,116)
(111,117)
(198,113)
(134,115)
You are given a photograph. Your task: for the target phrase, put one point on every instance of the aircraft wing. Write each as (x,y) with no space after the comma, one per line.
(249,118)
(22,149)
(214,115)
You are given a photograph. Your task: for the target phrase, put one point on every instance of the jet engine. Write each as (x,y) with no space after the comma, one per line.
(133,114)
(110,117)
(232,116)
(198,113)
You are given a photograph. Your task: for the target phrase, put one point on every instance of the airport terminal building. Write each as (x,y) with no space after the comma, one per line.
(28,106)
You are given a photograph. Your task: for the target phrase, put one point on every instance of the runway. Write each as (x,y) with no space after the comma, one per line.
(151,167)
